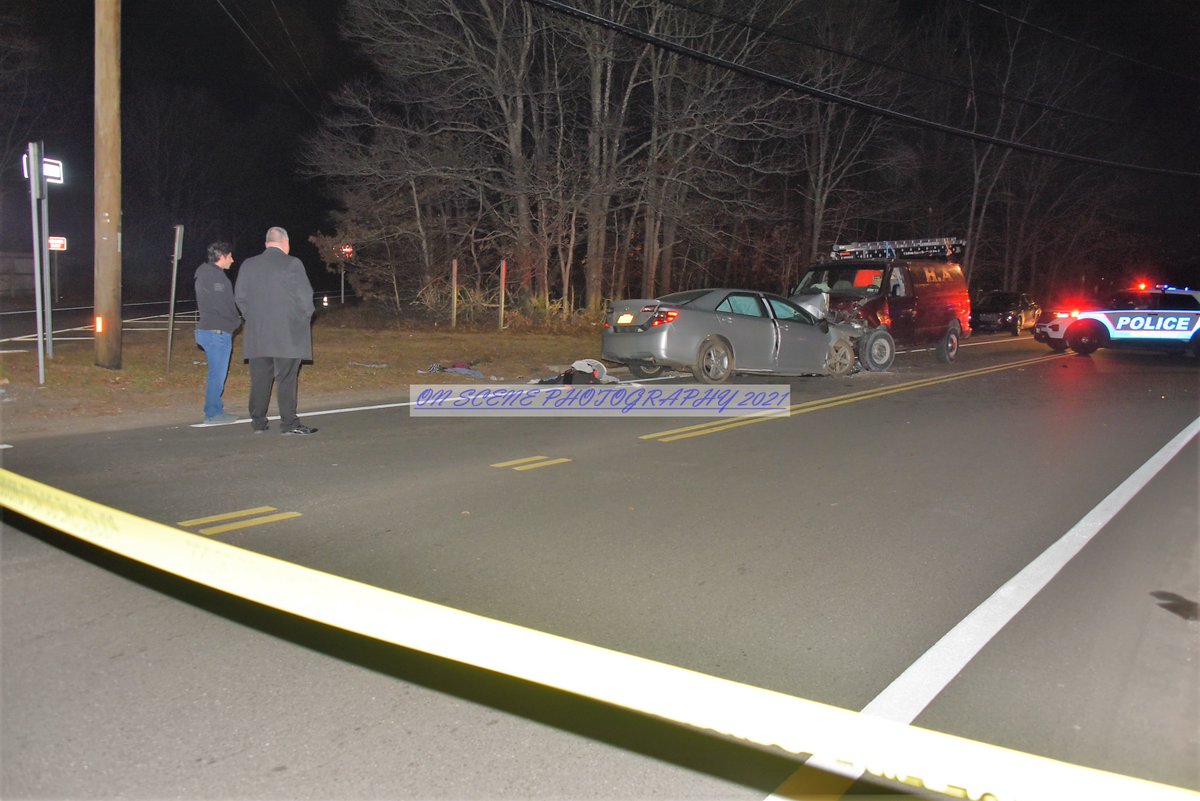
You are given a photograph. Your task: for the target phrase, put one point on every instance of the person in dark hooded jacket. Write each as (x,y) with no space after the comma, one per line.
(276,300)
(217,322)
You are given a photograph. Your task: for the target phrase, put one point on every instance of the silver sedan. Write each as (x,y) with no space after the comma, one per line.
(718,332)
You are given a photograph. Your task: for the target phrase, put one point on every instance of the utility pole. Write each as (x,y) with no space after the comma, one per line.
(108,184)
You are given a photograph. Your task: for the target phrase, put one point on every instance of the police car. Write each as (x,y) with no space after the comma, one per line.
(1163,318)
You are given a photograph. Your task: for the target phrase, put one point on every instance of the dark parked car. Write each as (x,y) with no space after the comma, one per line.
(1004,311)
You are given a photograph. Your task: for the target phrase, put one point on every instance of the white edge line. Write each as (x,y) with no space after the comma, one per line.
(348,409)
(925,678)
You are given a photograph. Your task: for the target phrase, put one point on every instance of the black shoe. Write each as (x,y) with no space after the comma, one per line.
(262,430)
(299,428)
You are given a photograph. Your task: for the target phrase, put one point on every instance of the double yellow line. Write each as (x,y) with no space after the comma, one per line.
(243,513)
(715,426)
(531,463)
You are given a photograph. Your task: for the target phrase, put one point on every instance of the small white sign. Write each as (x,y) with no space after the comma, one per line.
(56,242)
(52,169)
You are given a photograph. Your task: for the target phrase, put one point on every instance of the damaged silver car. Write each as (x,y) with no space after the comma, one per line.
(716,333)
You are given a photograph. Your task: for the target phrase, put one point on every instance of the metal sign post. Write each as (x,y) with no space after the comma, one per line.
(40,171)
(177,255)
(44,244)
(37,189)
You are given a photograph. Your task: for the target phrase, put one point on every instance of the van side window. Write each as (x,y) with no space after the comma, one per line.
(897,284)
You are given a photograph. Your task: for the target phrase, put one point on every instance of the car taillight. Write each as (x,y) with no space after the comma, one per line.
(664,316)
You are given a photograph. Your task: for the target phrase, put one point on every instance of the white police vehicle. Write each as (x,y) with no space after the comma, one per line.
(1163,318)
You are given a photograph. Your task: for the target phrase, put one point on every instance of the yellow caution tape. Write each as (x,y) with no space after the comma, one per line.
(842,740)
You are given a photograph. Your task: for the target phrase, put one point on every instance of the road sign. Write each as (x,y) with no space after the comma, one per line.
(52,169)
(56,242)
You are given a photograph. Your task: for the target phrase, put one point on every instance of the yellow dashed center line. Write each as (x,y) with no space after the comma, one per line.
(526,460)
(712,427)
(255,521)
(531,463)
(258,510)
(246,520)
(547,463)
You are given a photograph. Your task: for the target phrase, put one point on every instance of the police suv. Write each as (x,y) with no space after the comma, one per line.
(1164,318)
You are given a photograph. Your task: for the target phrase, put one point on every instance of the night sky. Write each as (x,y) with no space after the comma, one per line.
(191,46)
(197,46)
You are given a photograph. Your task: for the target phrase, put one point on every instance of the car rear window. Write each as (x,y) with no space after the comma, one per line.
(997,301)
(683,298)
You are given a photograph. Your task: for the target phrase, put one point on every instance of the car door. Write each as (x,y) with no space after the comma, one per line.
(742,319)
(802,344)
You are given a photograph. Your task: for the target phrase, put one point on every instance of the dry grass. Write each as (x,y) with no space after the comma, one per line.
(356,357)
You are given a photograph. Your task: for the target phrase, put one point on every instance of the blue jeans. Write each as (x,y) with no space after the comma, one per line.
(218,347)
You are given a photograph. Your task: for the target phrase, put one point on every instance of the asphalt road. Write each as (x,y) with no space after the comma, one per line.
(820,555)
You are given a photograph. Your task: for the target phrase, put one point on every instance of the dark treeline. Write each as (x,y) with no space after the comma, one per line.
(598,164)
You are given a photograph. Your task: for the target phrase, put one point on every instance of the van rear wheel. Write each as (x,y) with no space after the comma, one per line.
(947,347)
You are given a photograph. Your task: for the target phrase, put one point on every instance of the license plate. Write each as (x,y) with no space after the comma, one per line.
(626,318)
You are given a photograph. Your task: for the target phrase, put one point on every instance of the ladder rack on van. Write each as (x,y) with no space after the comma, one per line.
(945,248)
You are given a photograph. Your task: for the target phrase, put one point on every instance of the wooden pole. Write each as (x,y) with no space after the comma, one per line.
(108,184)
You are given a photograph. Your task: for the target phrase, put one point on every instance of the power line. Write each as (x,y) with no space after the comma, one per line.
(295,49)
(885,65)
(832,97)
(1081,43)
(265,58)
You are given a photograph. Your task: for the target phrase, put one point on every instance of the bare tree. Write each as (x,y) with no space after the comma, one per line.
(839,148)
(1020,84)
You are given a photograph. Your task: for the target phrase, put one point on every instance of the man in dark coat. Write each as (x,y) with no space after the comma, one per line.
(276,300)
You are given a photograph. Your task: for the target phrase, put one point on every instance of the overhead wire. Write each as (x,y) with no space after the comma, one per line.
(1081,43)
(295,49)
(897,116)
(283,79)
(762,29)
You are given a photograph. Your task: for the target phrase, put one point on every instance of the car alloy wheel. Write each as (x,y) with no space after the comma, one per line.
(840,361)
(714,362)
